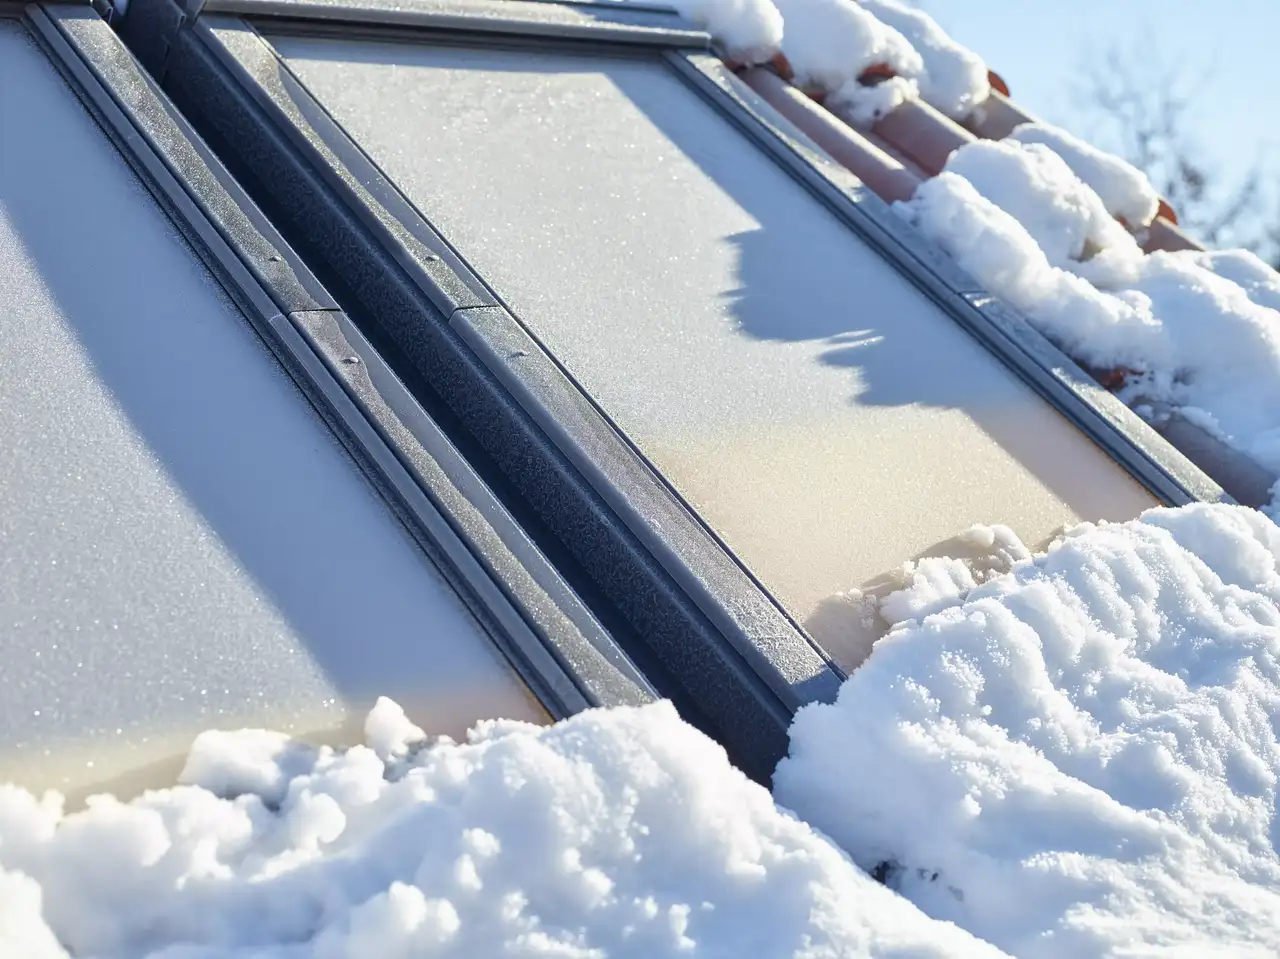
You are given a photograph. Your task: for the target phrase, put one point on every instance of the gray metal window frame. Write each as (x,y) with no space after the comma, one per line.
(710,622)
(550,637)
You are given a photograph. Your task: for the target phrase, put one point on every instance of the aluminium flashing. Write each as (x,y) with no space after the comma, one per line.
(556,645)
(747,705)
(1148,457)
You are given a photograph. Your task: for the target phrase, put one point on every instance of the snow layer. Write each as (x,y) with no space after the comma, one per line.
(1097,328)
(1079,758)
(954,79)
(1124,189)
(1259,281)
(1192,338)
(831,43)
(1033,184)
(750,30)
(614,833)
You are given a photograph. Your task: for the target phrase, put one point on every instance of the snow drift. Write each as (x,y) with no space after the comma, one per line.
(614,833)
(1078,758)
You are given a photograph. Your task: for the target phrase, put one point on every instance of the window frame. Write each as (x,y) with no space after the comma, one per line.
(655,564)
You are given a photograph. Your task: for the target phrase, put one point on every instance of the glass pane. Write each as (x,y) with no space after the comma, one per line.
(183,544)
(825,417)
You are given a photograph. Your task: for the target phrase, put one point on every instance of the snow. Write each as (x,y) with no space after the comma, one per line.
(1194,339)
(954,79)
(1260,282)
(749,30)
(925,584)
(1032,183)
(23,933)
(613,833)
(389,732)
(1078,758)
(932,583)
(1097,328)
(830,43)
(1124,189)
(1225,353)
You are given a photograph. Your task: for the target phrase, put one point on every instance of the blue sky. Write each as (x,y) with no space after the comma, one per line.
(1232,45)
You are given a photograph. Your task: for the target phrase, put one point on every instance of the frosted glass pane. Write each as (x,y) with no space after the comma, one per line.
(183,543)
(822,415)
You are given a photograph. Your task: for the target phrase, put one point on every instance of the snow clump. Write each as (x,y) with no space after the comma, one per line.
(1034,185)
(831,43)
(1124,189)
(1260,282)
(1097,328)
(1188,335)
(750,30)
(954,79)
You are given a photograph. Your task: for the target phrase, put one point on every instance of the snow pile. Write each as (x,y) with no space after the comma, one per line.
(1079,758)
(1189,336)
(830,44)
(1123,188)
(750,30)
(1226,354)
(954,79)
(619,833)
(1034,185)
(1096,328)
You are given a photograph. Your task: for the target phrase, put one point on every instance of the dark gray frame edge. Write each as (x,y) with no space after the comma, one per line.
(552,640)
(616,23)
(1121,433)
(737,691)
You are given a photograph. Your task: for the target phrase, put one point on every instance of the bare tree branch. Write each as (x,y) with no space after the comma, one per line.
(1143,108)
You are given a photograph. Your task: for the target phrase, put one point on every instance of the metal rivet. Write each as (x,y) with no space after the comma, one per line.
(275,258)
(351,360)
(432,257)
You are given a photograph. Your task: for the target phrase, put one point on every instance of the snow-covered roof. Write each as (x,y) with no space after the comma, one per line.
(1065,753)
